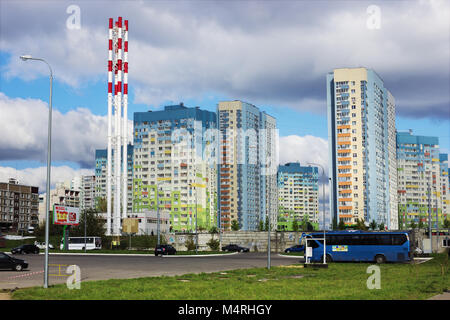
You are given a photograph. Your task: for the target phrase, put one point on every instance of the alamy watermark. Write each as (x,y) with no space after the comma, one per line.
(374,19)
(73,22)
(74,280)
(374,280)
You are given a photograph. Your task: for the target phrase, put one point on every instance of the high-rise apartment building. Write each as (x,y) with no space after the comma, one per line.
(422,180)
(101,166)
(175,152)
(248,154)
(298,195)
(19,206)
(362,148)
(87,192)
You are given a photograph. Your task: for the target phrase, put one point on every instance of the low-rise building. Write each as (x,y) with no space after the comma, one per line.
(19,206)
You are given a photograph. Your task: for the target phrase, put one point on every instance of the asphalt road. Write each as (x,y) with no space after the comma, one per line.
(99,267)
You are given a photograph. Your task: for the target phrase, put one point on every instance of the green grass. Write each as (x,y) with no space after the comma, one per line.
(339,281)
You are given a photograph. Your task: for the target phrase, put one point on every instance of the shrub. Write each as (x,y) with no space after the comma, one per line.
(213,244)
(190,243)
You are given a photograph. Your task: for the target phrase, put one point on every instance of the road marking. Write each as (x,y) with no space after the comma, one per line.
(285,256)
(25,275)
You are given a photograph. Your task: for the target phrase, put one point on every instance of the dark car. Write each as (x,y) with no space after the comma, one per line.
(296,248)
(25,248)
(7,262)
(165,249)
(235,248)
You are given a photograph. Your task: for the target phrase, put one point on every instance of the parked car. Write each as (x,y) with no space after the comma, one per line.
(296,248)
(41,245)
(235,248)
(164,249)
(25,248)
(8,262)
(418,251)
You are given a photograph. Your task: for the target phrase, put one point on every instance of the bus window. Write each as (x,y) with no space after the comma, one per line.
(383,240)
(313,244)
(398,239)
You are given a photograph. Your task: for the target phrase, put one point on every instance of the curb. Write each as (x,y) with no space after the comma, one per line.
(285,256)
(202,255)
(131,254)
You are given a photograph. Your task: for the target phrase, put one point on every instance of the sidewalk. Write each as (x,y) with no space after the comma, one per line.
(443,296)
(4,296)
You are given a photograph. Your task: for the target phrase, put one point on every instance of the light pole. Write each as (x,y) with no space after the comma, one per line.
(49,148)
(323,210)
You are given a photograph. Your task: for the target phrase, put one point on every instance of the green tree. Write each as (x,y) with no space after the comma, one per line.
(266,225)
(190,243)
(261,225)
(420,226)
(235,225)
(447,223)
(305,222)
(373,225)
(381,226)
(295,226)
(412,225)
(213,244)
(335,225)
(101,204)
(341,225)
(94,226)
(360,225)
(214,230)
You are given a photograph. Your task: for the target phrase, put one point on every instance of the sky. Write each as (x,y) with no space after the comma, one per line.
(273,54)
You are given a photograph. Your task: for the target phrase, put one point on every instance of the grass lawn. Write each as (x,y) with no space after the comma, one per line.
(339,281)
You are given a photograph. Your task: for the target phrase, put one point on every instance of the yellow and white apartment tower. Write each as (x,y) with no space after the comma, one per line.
(362,148)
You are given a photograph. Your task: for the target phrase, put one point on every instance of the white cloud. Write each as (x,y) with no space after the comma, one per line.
(304,149)
(185,50)
(75,134)
(37,177)
(309,149)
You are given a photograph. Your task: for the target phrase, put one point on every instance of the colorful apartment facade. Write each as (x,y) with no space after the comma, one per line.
(248,153)
(298,195)
(362,148)
(422,181)
(175,153)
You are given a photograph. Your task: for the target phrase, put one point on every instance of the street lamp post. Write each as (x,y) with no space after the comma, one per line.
(49,146)
(323,211)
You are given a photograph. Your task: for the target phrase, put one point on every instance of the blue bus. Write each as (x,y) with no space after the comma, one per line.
(360,246)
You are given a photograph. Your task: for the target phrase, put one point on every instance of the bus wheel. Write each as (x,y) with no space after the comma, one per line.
(379,258)
(328,258)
